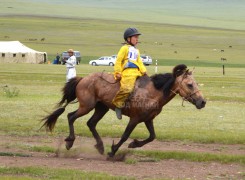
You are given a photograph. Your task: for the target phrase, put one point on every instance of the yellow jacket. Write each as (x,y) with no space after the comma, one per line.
(128,53)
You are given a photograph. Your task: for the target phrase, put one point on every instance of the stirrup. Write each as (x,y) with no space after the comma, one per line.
(118,113)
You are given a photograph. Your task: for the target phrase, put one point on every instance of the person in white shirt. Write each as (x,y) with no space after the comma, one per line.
(70,65)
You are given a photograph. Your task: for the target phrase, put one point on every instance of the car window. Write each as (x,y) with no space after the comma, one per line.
(77,54)
(65,54)
(101,58)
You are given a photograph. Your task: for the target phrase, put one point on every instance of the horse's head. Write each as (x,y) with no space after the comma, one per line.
(186,86)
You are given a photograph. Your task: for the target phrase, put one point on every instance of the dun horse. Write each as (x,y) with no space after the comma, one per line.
(97,90)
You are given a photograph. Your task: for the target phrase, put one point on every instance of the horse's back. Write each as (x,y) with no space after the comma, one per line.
(102,87)
(99,86)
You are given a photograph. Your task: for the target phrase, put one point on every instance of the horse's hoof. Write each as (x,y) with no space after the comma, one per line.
(110,154)
(100,148)
(117,157)
(133,144)
(69,144)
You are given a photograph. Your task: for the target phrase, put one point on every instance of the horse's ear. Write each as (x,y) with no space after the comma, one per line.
(186,73)
(192,71)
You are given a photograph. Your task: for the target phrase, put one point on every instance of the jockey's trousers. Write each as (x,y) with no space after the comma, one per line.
(127,82)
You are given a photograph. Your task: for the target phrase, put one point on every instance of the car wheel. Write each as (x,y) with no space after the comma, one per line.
(93,63)
(111,64)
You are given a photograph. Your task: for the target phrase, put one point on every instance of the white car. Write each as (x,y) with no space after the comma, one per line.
(146,59)
(103,61)
(114,57)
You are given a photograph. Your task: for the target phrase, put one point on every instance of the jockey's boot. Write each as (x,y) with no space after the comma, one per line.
(118,113)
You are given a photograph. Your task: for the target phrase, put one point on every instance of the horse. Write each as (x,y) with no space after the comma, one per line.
(150,94)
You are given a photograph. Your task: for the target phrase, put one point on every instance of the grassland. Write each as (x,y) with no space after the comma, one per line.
(39,85)
(171,31)
(46,173)
(166,43)
(198,45)
(217,14)
(221,121)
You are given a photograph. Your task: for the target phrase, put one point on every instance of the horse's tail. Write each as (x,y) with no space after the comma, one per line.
(69,91)
(69,95)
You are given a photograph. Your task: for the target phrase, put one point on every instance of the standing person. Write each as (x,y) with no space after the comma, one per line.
(127,68)
(70,65)
(58,58)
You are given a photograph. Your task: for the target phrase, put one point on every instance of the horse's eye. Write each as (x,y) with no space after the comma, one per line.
(190,86)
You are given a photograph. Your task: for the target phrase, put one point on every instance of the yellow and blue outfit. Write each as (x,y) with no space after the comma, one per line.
(129,65)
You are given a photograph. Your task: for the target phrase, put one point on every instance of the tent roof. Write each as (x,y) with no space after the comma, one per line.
(14,47)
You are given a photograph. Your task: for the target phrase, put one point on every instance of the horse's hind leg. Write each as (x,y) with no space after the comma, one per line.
(150,127)
(71,138)
(71,119)
(100,111)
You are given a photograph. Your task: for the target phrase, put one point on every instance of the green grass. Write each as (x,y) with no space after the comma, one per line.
(13,154)
(171,34)
(31,148)
(39,85)
(191,156)
(26,173)
(229,15)
(190,43)
(221,121)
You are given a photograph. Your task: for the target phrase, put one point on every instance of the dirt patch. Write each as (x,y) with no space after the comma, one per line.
(83,156)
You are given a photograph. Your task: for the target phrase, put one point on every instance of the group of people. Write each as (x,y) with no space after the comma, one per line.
(128,67)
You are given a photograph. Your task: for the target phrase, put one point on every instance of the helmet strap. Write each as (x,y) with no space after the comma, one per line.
(129,42)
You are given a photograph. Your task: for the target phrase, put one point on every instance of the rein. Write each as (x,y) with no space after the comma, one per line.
(187,97)
(101,77)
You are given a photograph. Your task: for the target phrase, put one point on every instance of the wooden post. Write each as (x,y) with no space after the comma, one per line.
(156,67)
(223,69)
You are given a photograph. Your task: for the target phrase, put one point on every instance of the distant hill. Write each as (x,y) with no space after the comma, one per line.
(204,13)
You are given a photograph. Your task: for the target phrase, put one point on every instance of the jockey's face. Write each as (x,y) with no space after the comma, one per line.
(70,53)
(134,40)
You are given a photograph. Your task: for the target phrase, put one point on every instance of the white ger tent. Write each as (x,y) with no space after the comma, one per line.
(16,52)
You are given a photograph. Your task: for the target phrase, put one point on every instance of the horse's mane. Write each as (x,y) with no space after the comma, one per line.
(166,81)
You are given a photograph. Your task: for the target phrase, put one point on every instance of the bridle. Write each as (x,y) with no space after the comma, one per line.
(189,95)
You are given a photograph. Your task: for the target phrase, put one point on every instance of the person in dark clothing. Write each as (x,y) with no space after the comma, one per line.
(58,58)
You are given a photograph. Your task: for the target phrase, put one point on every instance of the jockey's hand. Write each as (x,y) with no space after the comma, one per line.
(118,76)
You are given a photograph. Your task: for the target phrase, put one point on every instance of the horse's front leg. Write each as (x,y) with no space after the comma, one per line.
(150,127)
(130,127)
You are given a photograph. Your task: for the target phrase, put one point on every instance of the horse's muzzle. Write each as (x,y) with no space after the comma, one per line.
(200,103)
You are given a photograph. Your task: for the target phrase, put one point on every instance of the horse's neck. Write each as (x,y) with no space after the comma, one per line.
(167,99)
(173,93)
